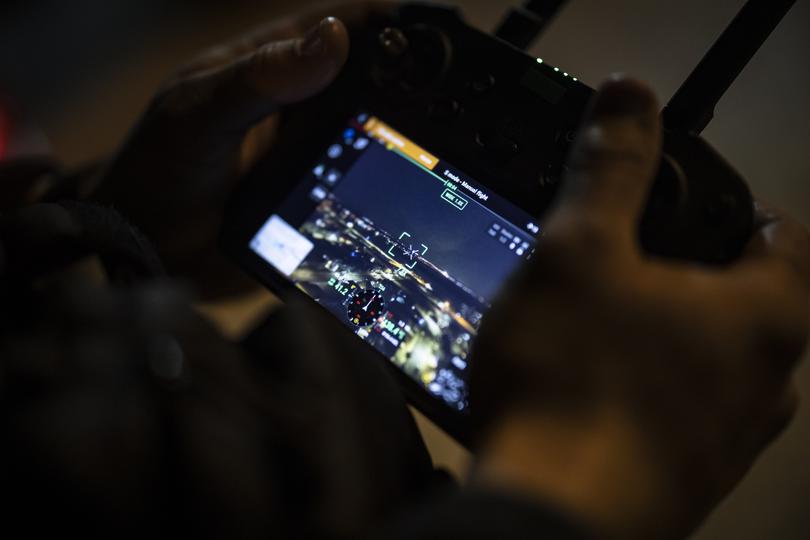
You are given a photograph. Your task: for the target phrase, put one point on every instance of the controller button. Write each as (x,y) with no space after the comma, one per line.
(719,211)
(502,148)
(444,109)
(393,43)
(482,84)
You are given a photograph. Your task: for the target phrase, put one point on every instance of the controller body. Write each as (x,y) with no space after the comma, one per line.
(510,120)
(507,120)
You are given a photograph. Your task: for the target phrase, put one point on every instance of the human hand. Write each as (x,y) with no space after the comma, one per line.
(209,124)
(635,392)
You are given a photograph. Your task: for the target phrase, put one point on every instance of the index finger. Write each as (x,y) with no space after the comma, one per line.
(288,27)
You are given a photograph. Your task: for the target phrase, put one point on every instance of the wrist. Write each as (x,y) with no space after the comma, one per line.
(596,467)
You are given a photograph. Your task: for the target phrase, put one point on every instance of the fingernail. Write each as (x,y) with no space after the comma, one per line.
(622,96)
(313,42)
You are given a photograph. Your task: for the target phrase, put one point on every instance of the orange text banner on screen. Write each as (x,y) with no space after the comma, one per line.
(393,139)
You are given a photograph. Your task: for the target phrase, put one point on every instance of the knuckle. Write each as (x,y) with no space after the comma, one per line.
(594,248)
(579,251)
(590,237)
(575,230)
(550,259)
(612,157)
(264,60)
(603,149)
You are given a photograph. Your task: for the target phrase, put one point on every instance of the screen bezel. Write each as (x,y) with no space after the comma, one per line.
(248,215)
(523,180)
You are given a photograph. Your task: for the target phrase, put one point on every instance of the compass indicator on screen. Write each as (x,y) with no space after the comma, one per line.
(365,307)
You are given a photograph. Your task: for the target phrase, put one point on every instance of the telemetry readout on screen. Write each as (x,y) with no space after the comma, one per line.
(403,248)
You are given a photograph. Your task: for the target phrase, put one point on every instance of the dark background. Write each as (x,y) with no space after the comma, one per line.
(82,71)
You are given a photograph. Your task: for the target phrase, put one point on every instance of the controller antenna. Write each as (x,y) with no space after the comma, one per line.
(522,25)
(692,107)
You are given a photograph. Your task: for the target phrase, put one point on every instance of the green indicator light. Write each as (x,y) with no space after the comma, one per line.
(456,200)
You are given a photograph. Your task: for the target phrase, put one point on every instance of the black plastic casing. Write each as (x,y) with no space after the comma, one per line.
(501,116)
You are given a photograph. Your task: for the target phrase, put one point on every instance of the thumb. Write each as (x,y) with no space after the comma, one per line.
(236,96)
(613,162)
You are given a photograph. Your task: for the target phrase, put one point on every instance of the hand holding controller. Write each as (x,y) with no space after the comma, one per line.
(460,107)
(649,398)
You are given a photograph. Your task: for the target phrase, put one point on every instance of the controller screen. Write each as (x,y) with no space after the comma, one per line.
(403,248)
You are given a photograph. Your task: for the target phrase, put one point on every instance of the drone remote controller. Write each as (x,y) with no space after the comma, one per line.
(487,105)
(402,197)
(432,64)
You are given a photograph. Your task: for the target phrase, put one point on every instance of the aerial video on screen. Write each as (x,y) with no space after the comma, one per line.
(402,249)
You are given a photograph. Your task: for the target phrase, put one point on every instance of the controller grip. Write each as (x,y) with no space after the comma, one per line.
(699,209)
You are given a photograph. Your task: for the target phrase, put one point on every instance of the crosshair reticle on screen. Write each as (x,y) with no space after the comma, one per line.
(402,247)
